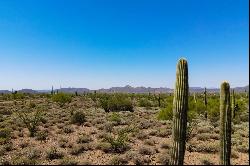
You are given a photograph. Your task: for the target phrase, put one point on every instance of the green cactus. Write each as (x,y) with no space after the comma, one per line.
(52,90)
(195,101)
(225,124)
(180,108)
(205,101)
(159,100)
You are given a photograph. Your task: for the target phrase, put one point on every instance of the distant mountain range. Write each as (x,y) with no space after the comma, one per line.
(127,89)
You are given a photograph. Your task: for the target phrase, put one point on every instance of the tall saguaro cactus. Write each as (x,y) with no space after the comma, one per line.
(52,90)
(205,101)
(159,100)
(225,124)
(180,108)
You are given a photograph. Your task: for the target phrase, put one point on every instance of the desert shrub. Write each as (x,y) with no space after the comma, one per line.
(234,154)
(153,132)
(244,148)
(5,134)
(23,161)
(84,139)
(116,103)
(163,132)
(149,142)
(78,149)
(68,129)
(108,126)
(165,145)
(62,98)
(53,153)
(143,102)
(31,120)
(32,105)
(63,142)
(8,146)
(164,159)
(118,160)
(68,161)
(145,150)
(42,135)
(78,118)
(104,146)
(141,135)
(18,96)
(33,154)
(206,161)
(118,143)
(24,144)
(145,124)
(205,147)
(115,117)
(5,112)
(191,127)
(166,113)
(141,160)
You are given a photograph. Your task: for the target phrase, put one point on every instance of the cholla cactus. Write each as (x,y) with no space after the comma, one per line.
(225,124)
(180,108)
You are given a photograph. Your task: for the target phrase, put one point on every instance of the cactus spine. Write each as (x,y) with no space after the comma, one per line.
(225,124)
(180,108)
(205,101)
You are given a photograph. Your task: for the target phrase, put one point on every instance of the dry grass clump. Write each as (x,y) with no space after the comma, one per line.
(165,145)
(162,132)
(164,158)
(149,142)
(68,161)
(146,150)
(204,147)
(118,160)
(83,138)
(206,161)
(141,135)
(78,149)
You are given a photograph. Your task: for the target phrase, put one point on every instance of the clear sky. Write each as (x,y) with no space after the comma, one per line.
(105,43)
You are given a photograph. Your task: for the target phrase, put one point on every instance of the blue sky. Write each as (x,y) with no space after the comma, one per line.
(105,43)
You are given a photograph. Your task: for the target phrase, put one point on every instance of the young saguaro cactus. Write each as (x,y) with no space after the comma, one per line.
(225,124)
(180,108)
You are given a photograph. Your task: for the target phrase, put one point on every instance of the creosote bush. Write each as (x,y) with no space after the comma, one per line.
(62,98)
(116,103)
(31,120)
(78,118)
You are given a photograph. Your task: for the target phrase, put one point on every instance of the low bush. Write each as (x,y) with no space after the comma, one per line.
(78,118)
(62,98)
